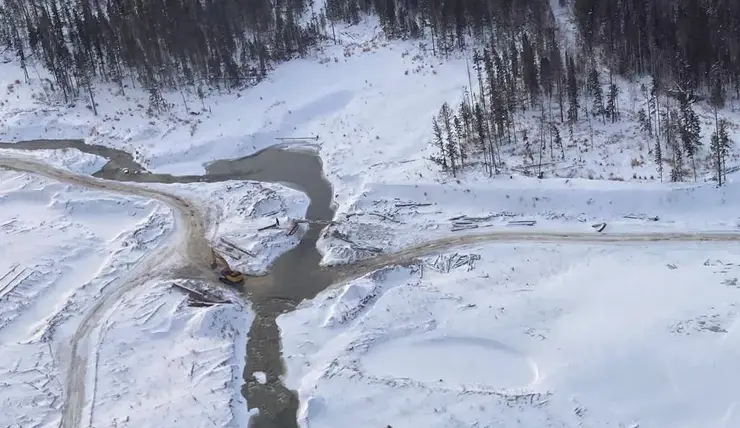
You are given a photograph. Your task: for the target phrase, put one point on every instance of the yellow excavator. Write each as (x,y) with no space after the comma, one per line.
(228,276)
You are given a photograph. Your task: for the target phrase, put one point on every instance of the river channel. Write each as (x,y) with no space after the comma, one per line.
(293,277)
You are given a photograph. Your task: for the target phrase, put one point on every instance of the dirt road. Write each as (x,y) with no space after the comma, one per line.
(188,246)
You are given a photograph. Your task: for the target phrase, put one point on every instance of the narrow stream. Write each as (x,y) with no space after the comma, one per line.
(293,277)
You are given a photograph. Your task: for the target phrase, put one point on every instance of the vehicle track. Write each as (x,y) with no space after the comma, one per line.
(188,246)
(188,235)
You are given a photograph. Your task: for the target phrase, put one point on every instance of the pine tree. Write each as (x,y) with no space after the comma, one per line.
(642,119)
(441,157)
(670,125)
(596,93)
(715,149)
(573,103)
(659,160)
(461,141)
(451,148)
(612,108)
(529,70)
(528,154)
(558,141)
(689,130)
(482,136)
(724,146)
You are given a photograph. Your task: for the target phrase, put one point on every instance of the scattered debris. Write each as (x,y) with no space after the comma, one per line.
(444,263)
(353,245)
(384,217)
(599,226)
(199,298)
(234,246)
(732,282)
(642,217)
(464,222)
(710,323)
(412,205)
(716,263)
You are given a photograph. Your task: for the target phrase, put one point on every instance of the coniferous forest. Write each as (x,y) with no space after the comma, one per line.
(689,50)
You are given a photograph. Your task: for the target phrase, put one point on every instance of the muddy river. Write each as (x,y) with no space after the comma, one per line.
(295,276)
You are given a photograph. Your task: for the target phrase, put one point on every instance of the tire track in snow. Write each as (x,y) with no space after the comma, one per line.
(188,235)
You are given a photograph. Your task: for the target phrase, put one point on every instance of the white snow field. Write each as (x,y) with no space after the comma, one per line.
(528,335)
(156,361)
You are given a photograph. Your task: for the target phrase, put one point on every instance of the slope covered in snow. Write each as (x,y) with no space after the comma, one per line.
(370,102)
(526,335)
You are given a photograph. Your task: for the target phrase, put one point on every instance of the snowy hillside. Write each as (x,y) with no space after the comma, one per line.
(370,102)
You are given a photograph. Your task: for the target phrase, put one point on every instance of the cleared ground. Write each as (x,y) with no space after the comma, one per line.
(621,335)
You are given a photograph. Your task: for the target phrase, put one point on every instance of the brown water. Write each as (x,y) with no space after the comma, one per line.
(293,277)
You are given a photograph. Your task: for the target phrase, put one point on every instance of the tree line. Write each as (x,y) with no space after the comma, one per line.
(690,49)
(156,43)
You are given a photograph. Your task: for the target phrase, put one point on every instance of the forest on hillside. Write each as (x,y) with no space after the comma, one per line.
(161,44)
(690,49)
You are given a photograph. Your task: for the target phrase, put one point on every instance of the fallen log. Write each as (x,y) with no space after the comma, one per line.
(458,227)
(12,268)
(522,223)
(293,229)
(412,205)
(8,288)
(385,217)
(199,295)
(599,226)
(368,249)
(234,246)
(642,217)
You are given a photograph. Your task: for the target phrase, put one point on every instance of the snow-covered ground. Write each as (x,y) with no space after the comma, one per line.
(61,246)
(236,211)
(391,217)
(527,335)
(157,361)
(534,335)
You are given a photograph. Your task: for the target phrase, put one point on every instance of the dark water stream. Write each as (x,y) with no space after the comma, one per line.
(293,277)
